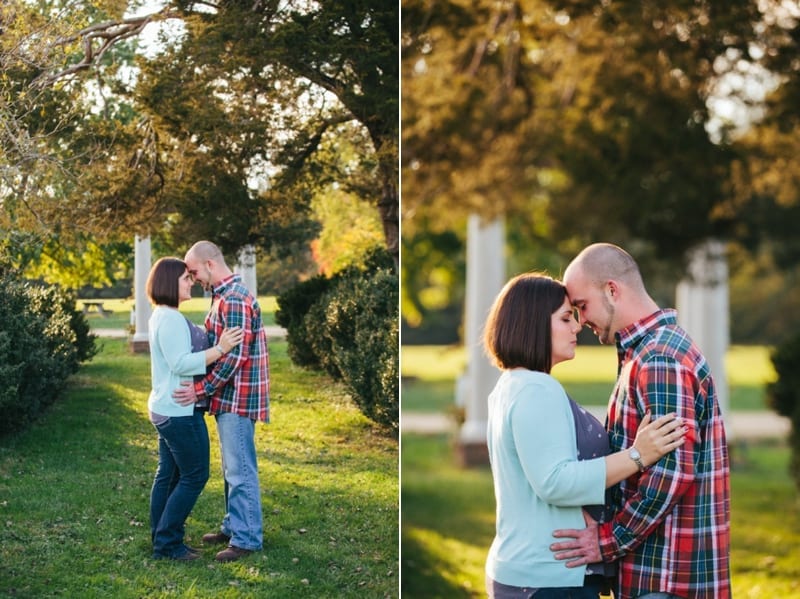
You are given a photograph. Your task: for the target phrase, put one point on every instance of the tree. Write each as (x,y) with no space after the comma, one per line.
(598,113)
(263,86)
(51,135)
(173,152)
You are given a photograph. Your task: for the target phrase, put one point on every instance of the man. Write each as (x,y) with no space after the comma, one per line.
(238,392)
(671,531)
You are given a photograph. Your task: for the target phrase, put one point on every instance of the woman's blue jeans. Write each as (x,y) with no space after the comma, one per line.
(180,478)
(243,521)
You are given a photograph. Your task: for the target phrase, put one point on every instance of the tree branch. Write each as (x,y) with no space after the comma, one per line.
(97,39)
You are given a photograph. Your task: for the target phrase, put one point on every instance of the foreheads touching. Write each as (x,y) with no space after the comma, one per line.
(596,266)
(203,251)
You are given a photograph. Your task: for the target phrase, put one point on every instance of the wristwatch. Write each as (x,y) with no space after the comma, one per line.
(637,458)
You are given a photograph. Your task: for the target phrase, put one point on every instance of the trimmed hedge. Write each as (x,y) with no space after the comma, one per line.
(784,395)
(348,326)
(43,340)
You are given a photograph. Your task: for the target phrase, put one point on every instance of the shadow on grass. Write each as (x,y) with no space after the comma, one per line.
(447,520)
(424,573)
(75,485)
(74,498)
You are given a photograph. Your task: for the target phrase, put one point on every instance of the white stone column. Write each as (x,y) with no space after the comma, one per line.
(486,275)
(141,270)
(703,310)
(246,266)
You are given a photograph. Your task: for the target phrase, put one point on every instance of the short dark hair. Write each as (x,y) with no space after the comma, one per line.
(518,330)
(162,282)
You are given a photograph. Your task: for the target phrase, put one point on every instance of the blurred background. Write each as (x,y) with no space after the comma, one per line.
(664,127)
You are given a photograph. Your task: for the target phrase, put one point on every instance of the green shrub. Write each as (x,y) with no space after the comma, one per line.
(293,306)
(784,395)
(363,321)
(348,326)
(318,328)
(43,340)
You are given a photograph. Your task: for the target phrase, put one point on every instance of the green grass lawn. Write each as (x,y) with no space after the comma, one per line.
(429,374)
(448,522)
(195,309)
(74,493)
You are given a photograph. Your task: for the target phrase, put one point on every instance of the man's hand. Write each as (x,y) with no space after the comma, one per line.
(185,395)
(584,546)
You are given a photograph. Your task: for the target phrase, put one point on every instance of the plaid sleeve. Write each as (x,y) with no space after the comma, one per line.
(231,312)
(662,385)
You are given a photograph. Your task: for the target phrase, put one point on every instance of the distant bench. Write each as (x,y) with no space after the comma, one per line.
(97,306)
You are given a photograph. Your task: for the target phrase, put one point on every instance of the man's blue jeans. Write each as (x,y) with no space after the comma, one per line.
(243,521)
(182,473)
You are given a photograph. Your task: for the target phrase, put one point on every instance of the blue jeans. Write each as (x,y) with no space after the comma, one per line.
(243,520)
(181,475)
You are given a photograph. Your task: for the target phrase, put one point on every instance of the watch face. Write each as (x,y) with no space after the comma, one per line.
(635,453)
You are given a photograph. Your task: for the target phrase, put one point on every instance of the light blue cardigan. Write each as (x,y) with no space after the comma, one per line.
(539,484)
(171,360)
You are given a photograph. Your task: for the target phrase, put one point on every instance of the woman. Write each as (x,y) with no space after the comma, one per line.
(178,349)
(536,437)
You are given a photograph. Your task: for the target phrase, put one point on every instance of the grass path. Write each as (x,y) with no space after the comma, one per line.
(74,493)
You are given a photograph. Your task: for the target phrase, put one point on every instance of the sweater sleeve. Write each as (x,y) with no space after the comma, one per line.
(544,435)
(174,341)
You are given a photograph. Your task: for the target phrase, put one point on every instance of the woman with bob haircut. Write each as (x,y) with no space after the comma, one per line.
(179,349)
(549,456)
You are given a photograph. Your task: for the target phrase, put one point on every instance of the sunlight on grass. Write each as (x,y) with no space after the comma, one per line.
(195,309)
(744,365)
(448,522)
(452,557)
(432,362)
(429,376)
(74,495)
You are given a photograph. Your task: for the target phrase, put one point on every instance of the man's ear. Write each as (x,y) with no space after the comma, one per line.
(612,289)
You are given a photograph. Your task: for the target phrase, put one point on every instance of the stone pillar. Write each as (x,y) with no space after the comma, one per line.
(246,266)
(486,276)
(703,310)
(140,341)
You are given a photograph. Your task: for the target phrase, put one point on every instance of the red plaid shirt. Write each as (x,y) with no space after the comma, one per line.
(671,532)
(239,381)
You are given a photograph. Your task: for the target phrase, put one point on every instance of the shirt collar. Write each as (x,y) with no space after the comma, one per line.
(226,284)
(632,334)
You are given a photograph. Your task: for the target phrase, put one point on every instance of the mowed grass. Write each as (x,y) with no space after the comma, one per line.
(429,376)
(195,309)
(448,522)
(74,495)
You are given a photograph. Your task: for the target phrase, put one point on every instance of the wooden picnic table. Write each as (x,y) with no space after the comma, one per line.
(97,306)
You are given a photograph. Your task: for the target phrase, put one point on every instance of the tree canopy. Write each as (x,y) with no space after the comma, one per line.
(594,118)
(228,132)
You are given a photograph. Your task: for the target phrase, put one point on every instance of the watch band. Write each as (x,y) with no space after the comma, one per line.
(637,458)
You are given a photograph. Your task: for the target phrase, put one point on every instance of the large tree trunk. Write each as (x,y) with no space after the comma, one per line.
(389,209)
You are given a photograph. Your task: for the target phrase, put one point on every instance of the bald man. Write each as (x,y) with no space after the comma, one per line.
(671,531)
(237,390)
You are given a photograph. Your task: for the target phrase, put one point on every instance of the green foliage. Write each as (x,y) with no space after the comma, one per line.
(363,332)
(293,306)
(350,227)
(303,99)
(348,325)
(784,395)
(43,339)
(576,112)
